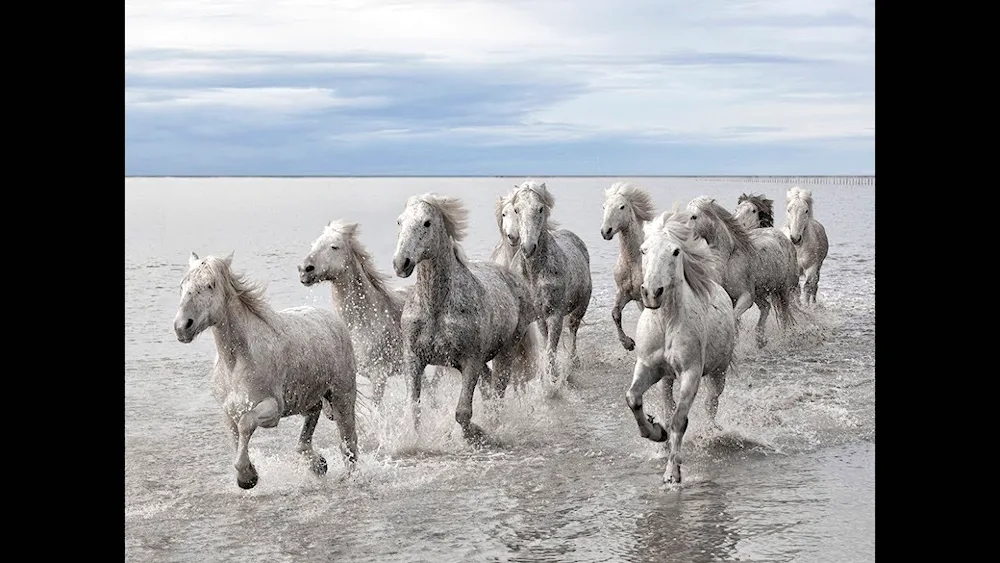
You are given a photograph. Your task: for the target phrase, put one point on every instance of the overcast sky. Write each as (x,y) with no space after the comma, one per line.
(499,87)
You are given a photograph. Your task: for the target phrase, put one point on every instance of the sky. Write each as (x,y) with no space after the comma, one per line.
(499,87)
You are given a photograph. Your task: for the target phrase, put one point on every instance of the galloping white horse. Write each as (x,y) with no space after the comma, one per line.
(627,209)
(809,237)
(758,267)
(269,364)
(687,330)
(461,314)
(364,300)
(556,264)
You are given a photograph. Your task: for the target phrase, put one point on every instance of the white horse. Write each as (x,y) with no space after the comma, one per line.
(364,300)
(460,314)
(754,211)
(556,264)
(627,209)
(758,267)
(270,364)
(687,330)
(809,237)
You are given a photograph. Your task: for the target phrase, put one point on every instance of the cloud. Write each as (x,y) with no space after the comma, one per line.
(270,82)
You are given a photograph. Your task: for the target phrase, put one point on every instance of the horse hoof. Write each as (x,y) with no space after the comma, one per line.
(673,480)
(629,344)
(318,465)
(248,483)
(662,436)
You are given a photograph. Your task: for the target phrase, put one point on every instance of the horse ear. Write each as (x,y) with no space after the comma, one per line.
(543,186)
(229,259)
(192,259)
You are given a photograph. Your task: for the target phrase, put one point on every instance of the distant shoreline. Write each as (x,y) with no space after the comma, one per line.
(506,176)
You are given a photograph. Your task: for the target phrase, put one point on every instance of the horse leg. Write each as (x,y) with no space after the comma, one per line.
(764,305)
(616,315)
(690,379)
(714,384)
(342,413)
(740,306)
(265,414)
(643,377)
(811,285)
(573,324)
(554,324)
(415,369)
(316,462)
(667,383)
(471,372)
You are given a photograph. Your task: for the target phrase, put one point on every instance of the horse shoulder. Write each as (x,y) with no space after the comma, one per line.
(572,245)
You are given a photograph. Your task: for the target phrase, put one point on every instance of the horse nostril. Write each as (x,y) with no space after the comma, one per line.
(659,292)
(310,268)
(406,264)
(189,323)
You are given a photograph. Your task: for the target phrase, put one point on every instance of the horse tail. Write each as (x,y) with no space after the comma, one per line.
(526,357)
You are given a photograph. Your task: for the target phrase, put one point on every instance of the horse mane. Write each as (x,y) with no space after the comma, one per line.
(800,193)
(638,198)
(455,215)
(764,205)
(539,189)
(363,257)
(250,293)
(702,265)
(737,233)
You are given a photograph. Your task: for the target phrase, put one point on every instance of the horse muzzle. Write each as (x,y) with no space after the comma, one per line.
(307,275)
(182,328)
(528,249)
(608,233)
(651,299)
(403,266)
(796,240)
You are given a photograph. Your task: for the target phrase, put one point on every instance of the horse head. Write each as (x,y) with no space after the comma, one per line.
(798,213)
(329,254)
(428,225)
(203,298)
(531,204)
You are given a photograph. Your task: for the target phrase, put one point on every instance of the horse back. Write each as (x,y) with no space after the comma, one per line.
(570,243)
(316,347)
(778,260)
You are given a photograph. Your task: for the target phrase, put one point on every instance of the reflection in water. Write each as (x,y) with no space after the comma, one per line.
(688,524)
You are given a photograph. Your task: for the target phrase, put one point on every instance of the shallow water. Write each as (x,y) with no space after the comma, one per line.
(791,477)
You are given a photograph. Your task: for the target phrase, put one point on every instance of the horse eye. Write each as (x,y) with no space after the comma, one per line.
(209,286)
(516,212)
(622,207)
(427,223)
(539,209)
(694,217)
(334,248)
(677,251)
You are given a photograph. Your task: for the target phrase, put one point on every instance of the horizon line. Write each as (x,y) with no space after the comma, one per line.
(500,175)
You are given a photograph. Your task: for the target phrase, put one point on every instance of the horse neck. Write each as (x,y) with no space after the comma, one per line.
(723,242)
(357,298)
(434,276)
(629,240)
(545,243)
(675,301)
(241,324)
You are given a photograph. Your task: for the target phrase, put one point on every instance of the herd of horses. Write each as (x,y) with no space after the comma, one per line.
(692,271)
